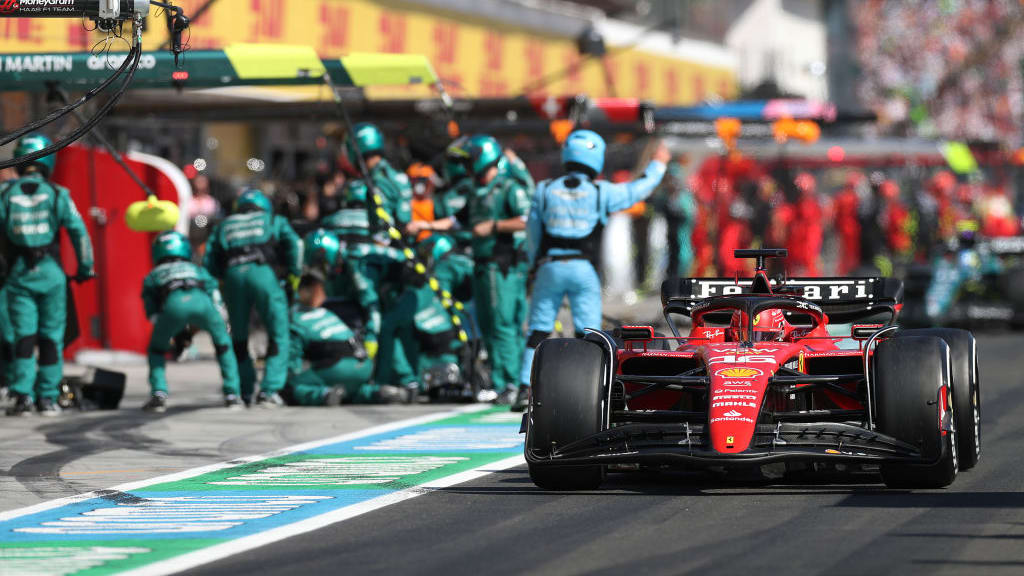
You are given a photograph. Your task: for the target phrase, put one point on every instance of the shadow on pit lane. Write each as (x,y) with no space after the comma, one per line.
(934,499)
(992,563)
(516,482)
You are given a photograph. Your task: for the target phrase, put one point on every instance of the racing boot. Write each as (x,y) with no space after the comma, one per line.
(269,400)
(48,407)
(388,394)
(522,399)
(22,406)
(508,397)
(157,403)
(334,396)
(233,402)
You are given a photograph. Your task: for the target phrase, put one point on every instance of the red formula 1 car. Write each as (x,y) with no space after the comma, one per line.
(787,371)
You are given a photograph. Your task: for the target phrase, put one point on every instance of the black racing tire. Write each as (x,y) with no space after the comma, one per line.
(963,354)
(566,405)
(909,372)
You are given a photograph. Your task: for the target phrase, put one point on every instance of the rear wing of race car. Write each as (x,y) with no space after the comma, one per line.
(845,300)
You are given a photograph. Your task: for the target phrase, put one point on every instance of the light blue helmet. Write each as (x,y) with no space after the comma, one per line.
(586,148)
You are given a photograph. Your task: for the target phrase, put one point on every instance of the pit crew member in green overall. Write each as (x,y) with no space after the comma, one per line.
(498,211)
(178,294)
(32,212)
(326,363)
(6,330)
(393,185)
(418,334)
(243,252)
(350,294)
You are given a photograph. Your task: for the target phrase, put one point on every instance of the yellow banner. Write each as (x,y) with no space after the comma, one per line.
(475,58)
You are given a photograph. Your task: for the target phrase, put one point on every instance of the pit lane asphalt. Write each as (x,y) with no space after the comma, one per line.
(502,524)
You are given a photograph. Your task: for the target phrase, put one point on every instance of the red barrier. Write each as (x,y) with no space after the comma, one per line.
(110,313)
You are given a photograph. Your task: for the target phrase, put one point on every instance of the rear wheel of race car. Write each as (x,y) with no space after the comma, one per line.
(909,373)
(963,354)
(566,406)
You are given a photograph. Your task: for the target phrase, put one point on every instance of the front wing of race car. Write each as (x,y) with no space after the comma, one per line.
(687,445)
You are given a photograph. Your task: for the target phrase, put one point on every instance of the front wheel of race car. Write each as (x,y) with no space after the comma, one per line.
(963,353)
(566,405)
(910,373)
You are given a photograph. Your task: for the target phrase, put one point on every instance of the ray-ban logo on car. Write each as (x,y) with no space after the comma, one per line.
(738,372)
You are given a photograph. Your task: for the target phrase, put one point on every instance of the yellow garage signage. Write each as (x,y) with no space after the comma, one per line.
(475,58)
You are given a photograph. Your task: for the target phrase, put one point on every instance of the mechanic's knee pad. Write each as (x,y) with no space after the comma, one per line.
(24,347)
(536,337)
(221,349)
(48,355)
(580,334)
(241,349)
(271,348)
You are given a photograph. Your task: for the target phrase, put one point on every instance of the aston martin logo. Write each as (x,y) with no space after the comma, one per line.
(738,372)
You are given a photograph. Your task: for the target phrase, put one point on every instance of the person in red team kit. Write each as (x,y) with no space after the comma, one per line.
(733,229)
(997,216)
(846,206)
(803,228)
(941,187)
(895,220)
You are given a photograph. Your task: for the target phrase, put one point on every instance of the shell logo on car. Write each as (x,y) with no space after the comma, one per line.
(738,372)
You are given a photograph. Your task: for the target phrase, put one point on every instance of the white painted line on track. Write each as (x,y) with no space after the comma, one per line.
(193,472)
(228,549)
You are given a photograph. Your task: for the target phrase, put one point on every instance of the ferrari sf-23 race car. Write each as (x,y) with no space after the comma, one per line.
(771,372)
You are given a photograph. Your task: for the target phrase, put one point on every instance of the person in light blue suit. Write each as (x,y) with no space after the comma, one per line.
(564,231)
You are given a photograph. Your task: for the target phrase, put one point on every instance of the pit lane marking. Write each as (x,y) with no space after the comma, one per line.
(122,514)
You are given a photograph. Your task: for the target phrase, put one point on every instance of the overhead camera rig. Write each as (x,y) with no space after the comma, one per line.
(108,15)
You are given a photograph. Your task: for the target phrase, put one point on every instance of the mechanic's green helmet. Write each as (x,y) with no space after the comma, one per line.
(432,248)
(253,200)
(321,248)
(456,156)
(33,143)
(484,152)
(355,193)
(369,139)
(171,244)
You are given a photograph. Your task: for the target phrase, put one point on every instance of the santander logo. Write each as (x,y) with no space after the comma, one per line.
(732,414)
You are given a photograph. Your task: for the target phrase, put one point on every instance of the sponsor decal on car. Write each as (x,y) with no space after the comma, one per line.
(733,403)
(826,290)
(732,419)
(736,383)
(727,395)
(741,359)
(739,372)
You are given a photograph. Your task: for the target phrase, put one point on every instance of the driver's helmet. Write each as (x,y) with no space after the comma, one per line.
(966,234)
(769,326)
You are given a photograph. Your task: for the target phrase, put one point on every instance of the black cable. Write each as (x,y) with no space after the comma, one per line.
(99,137)
(78,133)
(64,110)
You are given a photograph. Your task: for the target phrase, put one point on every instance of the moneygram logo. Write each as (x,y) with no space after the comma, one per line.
(738,372)
(8,6)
